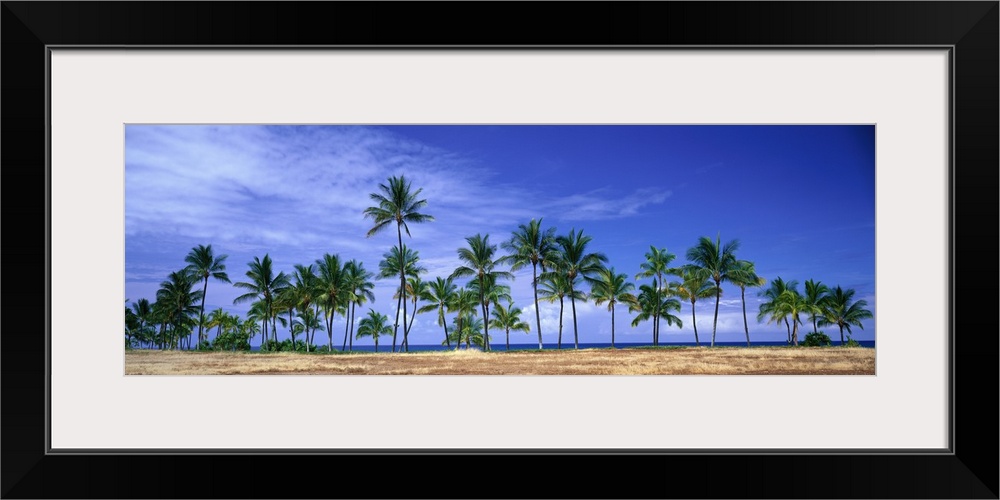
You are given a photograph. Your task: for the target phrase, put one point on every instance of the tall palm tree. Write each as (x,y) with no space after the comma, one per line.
(653,304)
(178,299)
(841,311)
(744,275)
(202,264)
(492,295)
(815,297)
(389,266)
(718,261)
(360,286)
(694,285)
(263,285)
(439,294)
(397,203)
(332,291)
(656,265)
(479,259)
(556,287)
(574,261)
(374,325)
(310,322)
(770,309)
(464,304)
(608,286)
(531,245)
(508,319)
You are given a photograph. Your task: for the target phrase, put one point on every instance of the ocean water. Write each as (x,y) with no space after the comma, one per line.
(500,346)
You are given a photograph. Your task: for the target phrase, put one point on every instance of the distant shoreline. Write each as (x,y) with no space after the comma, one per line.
(635,361)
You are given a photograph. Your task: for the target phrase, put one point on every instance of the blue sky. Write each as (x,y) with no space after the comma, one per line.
(800,199)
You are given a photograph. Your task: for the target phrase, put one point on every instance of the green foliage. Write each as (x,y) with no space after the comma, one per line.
(283,346)
(816,339)
(205,345)
(851,343)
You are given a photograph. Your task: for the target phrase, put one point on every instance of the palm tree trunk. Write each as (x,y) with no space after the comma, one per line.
(694,323)
(841,334)
(538,314)
(746,328)
(560,321)
(612,325)
(458,341)
(347,314)
(351,337)
(795,333)
(291,328)
(789,328)
(576,335)
(508,339)
(402,284)
(445,323)
(715,321)
(396,327)
(204,290)
(329,332)
(406,333)
(376,344)
(486,330)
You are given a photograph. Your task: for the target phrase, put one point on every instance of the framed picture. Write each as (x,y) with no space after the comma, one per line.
(924,74)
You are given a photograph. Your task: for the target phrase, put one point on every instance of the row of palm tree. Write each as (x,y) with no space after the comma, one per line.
(561,265)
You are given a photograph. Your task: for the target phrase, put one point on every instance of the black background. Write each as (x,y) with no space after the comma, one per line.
(971,472)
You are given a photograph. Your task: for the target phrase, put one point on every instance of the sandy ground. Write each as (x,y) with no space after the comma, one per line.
(677,361)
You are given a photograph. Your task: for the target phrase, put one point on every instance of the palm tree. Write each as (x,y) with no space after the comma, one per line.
(464,303)
(790,305)
(840,311)
(310,322)
(694,285)
(388,266)
(302,294)
(263,285)
(203,265)
(508,319)
(530,245)
(718,261)
(608,286)
(413,291)
(143,311)
(479,262)
(744,275)
(178,300)
(217,318)
(556,287)
(656,265)
(493,294)
(397,204)
(816,296)
(469,331)
(332,291)
(439,294)
(770,308)
(574,261)
(374,325)
(651,303)
(360,287)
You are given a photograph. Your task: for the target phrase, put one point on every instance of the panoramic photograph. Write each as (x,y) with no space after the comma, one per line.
(499,250)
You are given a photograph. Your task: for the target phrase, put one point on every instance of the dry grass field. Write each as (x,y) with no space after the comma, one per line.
(675,361)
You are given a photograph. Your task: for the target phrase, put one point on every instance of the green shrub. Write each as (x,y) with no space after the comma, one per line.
(816,339)
(851,343)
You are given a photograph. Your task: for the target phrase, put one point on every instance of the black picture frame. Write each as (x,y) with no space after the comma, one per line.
(969,28)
